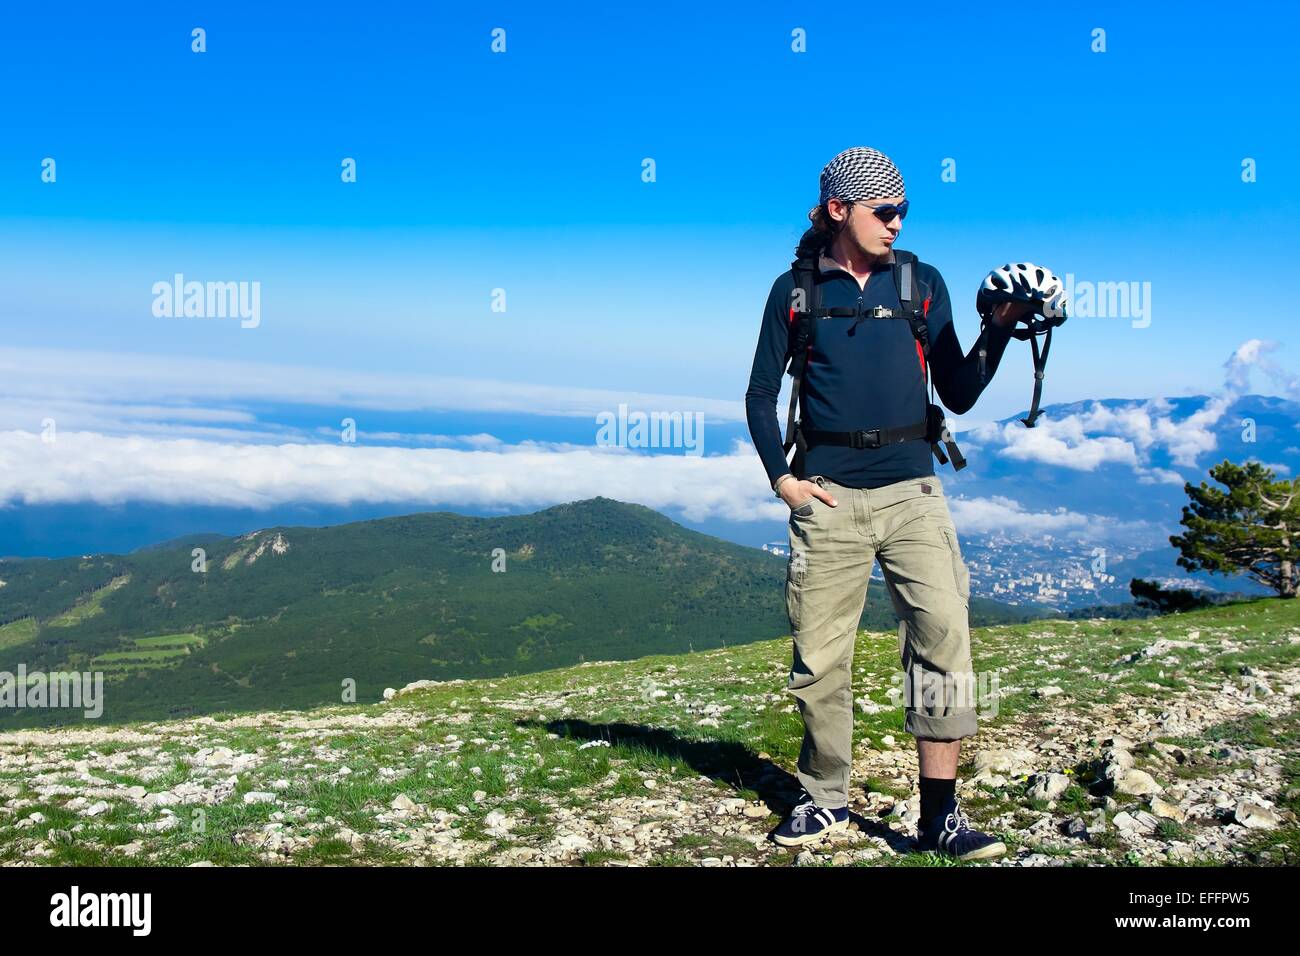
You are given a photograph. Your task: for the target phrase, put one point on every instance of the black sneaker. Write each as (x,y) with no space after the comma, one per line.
(808,823)
(950,833)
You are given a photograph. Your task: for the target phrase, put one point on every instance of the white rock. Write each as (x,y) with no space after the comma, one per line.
(1124,821)
(1011,761)
(1117,757)
(214,756)
(1138,783)
(1049,786)
(1255,816)
(1146,821)
(404,804)
(575,842)
(1170,811)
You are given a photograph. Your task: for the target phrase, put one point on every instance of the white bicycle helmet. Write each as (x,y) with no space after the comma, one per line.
(1024,282)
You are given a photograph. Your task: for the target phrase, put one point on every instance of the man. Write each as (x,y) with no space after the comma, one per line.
(852,505)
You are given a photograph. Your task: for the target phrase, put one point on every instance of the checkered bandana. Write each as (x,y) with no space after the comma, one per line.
(861,173)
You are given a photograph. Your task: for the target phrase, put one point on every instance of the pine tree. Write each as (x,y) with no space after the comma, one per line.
(1250,528)
(1149,594)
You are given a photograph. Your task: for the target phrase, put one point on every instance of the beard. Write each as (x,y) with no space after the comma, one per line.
(873,248)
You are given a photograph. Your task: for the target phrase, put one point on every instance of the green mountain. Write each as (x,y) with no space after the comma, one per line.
(290,617)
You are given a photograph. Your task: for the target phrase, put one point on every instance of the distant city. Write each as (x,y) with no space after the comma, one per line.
(1049,573)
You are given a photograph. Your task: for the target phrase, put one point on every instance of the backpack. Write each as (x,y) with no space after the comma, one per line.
(806,308)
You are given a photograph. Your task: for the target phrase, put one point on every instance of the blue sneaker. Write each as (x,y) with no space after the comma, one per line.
(808,823)
(950,833)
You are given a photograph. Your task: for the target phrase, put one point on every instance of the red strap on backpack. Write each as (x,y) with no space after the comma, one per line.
(920,352)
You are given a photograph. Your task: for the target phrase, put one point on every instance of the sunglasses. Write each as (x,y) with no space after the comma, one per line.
(886,212)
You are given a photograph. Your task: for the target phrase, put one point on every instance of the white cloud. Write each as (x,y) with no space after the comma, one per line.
(105,469)
(1129,433)
(1125,435)
(90,389)
(480,440)
(152,429)
(1149,425)
(1160,476)
(1252,354)
(1001,516)
(1061,442)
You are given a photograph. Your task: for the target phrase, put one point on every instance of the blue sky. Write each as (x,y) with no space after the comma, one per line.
(522,171)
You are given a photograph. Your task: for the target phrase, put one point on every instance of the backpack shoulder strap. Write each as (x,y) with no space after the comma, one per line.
(803,303)
(908,287)
(904,270)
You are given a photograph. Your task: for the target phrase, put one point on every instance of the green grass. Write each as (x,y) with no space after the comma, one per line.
(18,632)
(88,607)
(723,726)
(170,640)
(158,651)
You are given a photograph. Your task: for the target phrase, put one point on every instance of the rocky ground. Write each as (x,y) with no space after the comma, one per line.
(1168,741)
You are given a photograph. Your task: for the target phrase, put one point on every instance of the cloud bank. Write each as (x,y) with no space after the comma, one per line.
(1128,434)
(139,428)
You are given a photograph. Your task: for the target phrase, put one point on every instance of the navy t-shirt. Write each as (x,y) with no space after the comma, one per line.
(862,373)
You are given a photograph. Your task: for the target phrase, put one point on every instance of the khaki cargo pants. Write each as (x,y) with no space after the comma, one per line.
(907,527)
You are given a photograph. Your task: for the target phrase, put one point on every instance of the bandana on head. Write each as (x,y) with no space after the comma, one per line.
(860,173)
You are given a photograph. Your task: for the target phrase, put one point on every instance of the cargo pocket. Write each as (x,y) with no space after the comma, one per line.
(960,573)
(794,589)
(793,604)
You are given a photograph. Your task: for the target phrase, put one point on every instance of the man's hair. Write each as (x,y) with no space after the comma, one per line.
(822,232)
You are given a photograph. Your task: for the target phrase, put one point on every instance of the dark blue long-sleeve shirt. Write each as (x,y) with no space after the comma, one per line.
(862,373)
